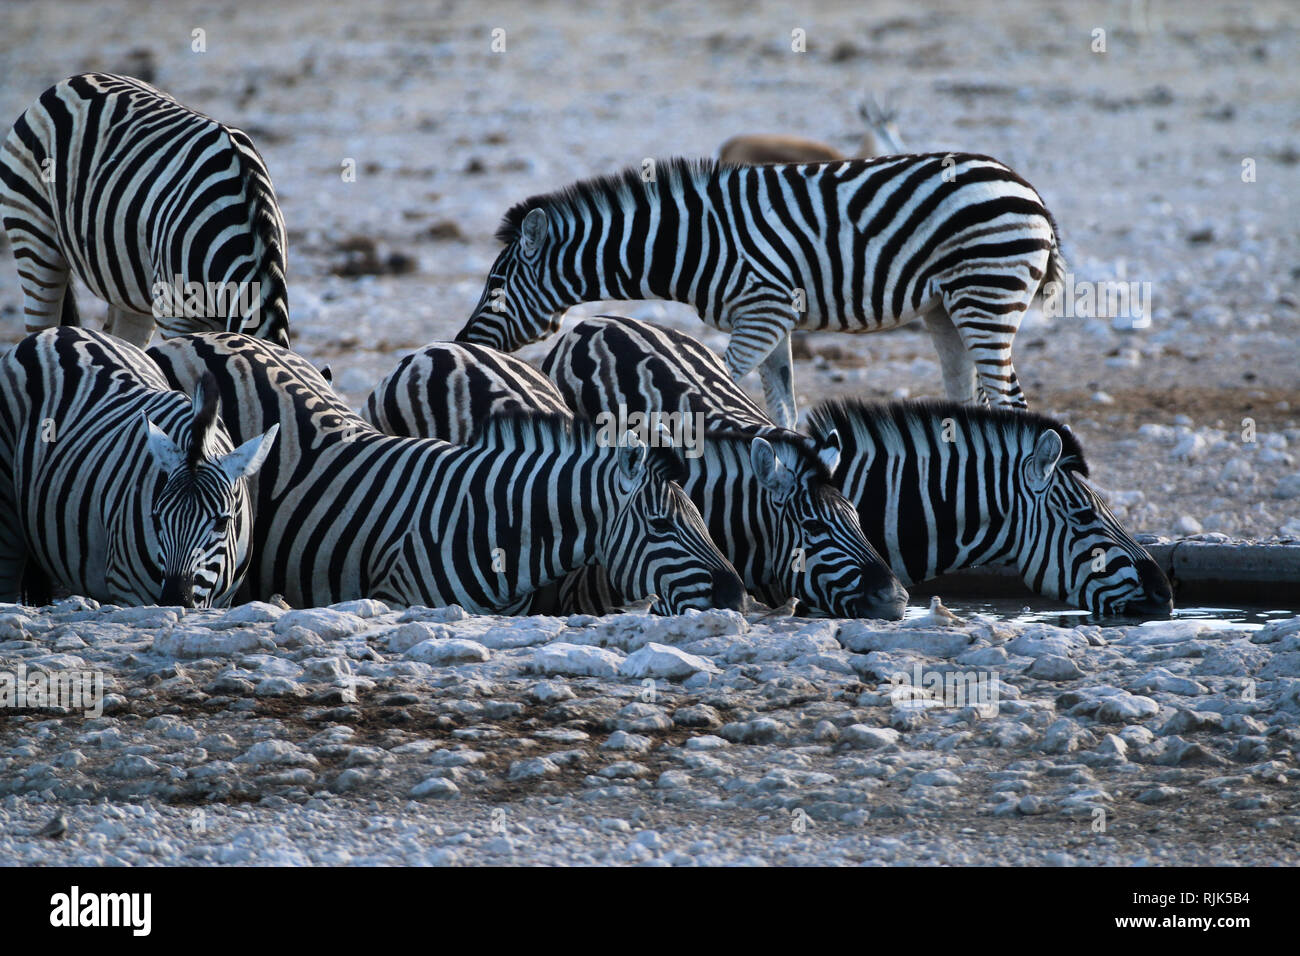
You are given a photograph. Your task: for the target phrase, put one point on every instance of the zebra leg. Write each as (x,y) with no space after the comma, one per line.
(959,379)
(763,342)
(131,326)
(777,375)
(987,329)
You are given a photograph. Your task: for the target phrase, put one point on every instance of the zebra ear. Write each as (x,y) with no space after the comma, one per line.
(632,455)
(774,476)
(245,460)
(831,448)
(1042,462)
(164,451)
(532,233)
(327,373)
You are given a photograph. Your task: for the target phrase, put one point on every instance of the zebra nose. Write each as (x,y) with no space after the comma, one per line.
(1157,593)
(728,591)
(177,592)
(886,603)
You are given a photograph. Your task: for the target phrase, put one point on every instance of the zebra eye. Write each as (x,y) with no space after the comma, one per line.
(221,523)
(1084,515)
(816,526)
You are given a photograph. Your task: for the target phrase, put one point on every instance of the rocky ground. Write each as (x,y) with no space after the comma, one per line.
(361,734)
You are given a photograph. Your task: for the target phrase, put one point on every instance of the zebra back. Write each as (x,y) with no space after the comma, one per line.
(447,391)
(165,213)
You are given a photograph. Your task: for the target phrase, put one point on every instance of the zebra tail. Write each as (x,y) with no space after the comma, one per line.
(1056,264)
(69,315)
(270,256)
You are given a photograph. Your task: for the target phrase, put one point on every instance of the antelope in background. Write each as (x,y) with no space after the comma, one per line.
(881,138)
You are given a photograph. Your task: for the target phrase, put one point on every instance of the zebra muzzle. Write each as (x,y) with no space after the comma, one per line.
(177,591)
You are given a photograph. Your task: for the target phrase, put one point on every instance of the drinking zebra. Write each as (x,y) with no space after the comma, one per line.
(941,486)
(764,491)
(958,240)
(114,486)
(344,512)
(166,214)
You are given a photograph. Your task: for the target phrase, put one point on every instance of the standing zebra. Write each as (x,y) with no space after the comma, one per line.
(764,491)
(165,214)
(856,246)
(344,512)
(111,484)
(941,486)
(447,391)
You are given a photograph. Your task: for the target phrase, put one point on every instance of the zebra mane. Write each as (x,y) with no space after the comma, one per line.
(601,189)
(204,420)
(803,446)
(855,415)
(514,425)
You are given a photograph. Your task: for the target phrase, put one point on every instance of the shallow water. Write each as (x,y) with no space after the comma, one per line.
(1061,615)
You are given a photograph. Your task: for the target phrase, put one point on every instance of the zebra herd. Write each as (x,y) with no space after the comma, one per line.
(221,466)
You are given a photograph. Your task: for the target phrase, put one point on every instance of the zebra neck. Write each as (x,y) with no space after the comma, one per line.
(628,242)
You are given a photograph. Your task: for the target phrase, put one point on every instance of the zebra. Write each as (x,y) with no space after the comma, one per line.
(166,214)
(344,512)
(956,239)
(941,486)
(114,486)
(446,391)
(764,491)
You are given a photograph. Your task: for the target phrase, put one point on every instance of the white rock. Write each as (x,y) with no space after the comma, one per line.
(1186,524)
(435,788)
(405,636)
(577,659)
(254,612)
(665,661)
(869,738)
(329,624)
(203,642)
(454,650)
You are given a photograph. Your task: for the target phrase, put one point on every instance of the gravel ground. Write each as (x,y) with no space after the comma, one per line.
(362,734)
(366,735)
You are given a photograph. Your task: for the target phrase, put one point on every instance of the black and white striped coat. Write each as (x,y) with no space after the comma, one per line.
(447,391)
(957,239)
(107,179)
(114,486)
(345,512)
(941,486)
(764,491)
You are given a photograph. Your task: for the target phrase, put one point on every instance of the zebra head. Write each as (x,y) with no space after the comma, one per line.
(822,556)
(655,542)
(518,305)
(1073,548)
(201,513)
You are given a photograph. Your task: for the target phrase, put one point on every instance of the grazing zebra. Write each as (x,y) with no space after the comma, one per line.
(764,491)
(111,484)
(345,512)
(447,391)
(856,246)
(165,214)
(941,486)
